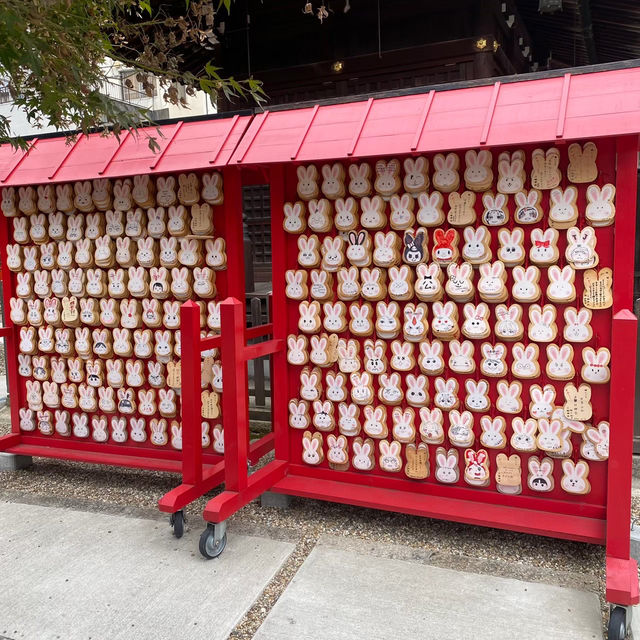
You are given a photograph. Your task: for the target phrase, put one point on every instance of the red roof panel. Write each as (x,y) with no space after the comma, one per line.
(184,146)
(594,105)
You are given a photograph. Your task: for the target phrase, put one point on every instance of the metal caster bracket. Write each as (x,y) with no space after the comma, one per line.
(213,540)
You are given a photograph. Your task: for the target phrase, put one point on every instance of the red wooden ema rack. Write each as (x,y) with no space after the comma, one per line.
(195,145)
(506,116)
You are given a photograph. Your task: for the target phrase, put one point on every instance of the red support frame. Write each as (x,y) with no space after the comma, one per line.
(240,488)
(199,478)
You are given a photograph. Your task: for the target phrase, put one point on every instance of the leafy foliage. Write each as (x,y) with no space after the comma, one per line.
(53,52)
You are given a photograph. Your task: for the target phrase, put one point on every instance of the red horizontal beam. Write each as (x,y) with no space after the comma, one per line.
(10,440)
(229,502)
(75,455)
(212,342)
(555,525)
(254,351)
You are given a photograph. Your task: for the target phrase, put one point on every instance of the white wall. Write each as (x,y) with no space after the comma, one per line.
(197,105)
(18,119)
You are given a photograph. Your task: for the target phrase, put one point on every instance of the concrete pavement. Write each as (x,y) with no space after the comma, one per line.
(341,594)
(76,575)
(70,574)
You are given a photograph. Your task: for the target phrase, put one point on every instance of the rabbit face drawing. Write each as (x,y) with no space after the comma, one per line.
(446,174)
(447,466)
(307,182)
(359,183)
(509,397)
(540,474)
(390,456)
(333,180)
(362,455)
(294,221)
(577,325)
(523,438)
(298,414)
(361,392)
(415,174)
(348,421)
(390,390)
(446,397)
(580,249)
(345,219)
(574,479)
(600,208)
(477,399)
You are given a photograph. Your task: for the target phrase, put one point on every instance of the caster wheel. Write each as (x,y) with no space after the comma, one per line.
(618,623)
(209,546)
(177,521)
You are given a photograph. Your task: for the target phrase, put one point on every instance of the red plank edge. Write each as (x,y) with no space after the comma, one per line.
(74,455)
(555,525)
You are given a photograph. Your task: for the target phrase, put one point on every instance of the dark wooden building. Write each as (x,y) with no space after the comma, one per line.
(363,47)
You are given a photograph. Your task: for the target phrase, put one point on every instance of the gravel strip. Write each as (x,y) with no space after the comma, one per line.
(247,627)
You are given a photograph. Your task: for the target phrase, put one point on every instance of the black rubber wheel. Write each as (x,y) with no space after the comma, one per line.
(177,522)
(618,623)
(207,546)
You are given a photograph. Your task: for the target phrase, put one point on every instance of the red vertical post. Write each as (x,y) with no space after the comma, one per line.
(235,406)
(279,381)
(11,340)
(623,378)
(622,570)
(234,234)
(190,396)
(623,353)
(625,226)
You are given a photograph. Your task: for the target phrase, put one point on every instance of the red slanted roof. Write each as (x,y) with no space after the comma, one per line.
(184,146)
(575,106)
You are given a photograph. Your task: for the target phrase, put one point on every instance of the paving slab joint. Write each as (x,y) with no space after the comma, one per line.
(13,462)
